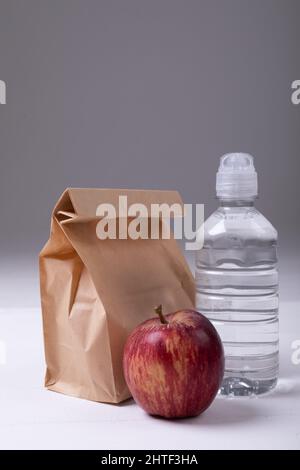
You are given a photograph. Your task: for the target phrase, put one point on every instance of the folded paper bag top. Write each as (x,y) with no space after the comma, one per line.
(94,292)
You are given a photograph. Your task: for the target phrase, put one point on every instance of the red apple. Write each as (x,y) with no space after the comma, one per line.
(174,364)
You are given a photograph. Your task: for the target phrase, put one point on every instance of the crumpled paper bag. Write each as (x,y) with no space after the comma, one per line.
(94,292)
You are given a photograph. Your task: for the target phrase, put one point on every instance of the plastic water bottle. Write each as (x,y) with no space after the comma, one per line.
(237,280)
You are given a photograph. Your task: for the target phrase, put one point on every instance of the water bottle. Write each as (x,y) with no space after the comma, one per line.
(237,280)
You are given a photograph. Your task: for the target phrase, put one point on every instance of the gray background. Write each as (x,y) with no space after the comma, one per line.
(148,94)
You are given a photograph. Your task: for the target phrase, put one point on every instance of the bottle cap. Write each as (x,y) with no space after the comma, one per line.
(236,177)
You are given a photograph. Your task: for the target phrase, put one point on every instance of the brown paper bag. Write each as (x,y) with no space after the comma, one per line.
(94,292)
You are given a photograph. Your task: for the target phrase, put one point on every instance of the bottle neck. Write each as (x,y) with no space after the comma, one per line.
(236,202)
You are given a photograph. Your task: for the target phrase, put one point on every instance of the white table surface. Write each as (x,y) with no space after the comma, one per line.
(34,418)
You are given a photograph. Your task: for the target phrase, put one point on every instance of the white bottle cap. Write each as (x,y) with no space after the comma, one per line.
(236,177)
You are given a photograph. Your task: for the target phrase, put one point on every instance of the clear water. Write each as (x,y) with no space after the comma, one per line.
(237,289)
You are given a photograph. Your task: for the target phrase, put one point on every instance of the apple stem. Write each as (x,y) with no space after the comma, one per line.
(158,310)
